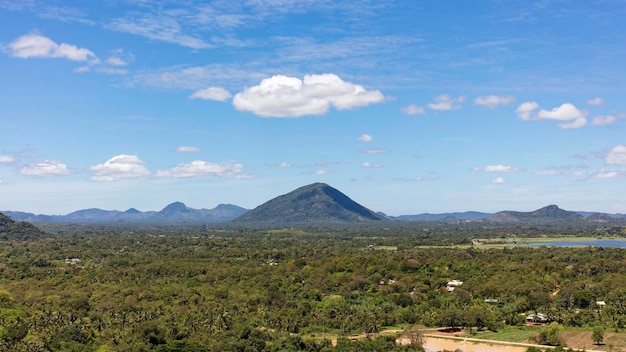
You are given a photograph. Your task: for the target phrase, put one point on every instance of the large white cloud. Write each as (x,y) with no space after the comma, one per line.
(492,101)
(283,96)
(211,93)
(573,117)
(200,168)
(119,167)
(617,155)
(45,168)
(33,45)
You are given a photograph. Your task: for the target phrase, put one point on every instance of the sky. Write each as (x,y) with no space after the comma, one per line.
(407,107)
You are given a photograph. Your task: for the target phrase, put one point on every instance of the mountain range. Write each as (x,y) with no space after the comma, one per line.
(314,203)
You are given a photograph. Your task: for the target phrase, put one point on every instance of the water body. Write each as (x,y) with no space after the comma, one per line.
(595,243)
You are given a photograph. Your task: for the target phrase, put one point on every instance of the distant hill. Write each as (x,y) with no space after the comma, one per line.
(18,230)
(468,215)
(550,213)
(175,212)
(315,203)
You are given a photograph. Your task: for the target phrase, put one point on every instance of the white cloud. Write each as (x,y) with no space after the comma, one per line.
(603,120)
(498,181)
(321,172)
(159,27)
(565,112)
(617,155)
(446,102)
(284,164)
(493,101)
(369,165)
(6,159)
(605,174)
(365,138)
(283,96)
(525,110)
(375,150)
(595,101)
(45,168)
(212,93)
(497,168)
(119,167)
(547,172)
(119,58)
(186,149)
(33,45)
(200,168)
(111,71)
(413,110)
(574,117)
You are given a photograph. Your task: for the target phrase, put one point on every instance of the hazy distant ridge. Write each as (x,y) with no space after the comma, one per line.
(317,202)
(175,212)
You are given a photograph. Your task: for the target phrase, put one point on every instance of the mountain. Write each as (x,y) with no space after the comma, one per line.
(18,230)
(175,212)
(550,213)
(317,202)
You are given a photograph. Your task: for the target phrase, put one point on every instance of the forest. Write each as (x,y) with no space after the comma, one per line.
(227,288)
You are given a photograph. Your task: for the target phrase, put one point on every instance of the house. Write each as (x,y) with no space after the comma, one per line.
(451,285)
(537,318)
(72,261)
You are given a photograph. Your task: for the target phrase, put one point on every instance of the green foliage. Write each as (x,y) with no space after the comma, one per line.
(17,230)
(243,289)
(550,335)
(533,349)
(597,335)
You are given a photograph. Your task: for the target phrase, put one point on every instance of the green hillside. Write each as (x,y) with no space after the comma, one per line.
(315,203)
(17,230)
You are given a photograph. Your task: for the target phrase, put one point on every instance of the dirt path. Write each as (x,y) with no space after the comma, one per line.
(436,342)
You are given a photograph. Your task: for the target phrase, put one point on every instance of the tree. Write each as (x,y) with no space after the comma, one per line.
(415,336)
(597,335)
(550,335)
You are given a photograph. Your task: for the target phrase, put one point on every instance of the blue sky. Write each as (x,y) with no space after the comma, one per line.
(405,106)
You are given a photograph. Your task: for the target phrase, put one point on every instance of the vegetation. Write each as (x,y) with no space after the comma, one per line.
(243,289)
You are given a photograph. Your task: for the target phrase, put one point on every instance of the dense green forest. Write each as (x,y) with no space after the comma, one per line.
(203,288)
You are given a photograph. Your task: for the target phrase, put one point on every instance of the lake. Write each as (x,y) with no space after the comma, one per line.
(595,243)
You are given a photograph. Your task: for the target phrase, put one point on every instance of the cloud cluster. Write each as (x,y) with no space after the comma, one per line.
(6,159)
(365,138)
(119,167)
(616,156)
(493,101)
(33,45)
(211,93)
(574,117)
(445,102)
(369,165)
(497,168)
(442,102)
(283,96)
(45,168)
(203,168)
(413,110)
(186,149)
